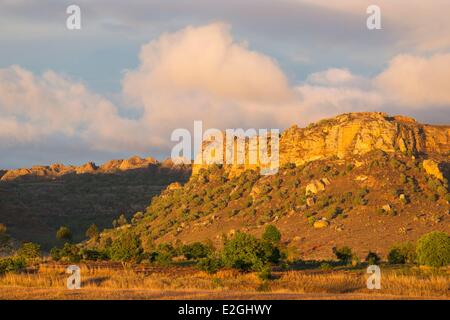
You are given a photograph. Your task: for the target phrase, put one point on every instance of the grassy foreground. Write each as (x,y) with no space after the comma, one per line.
(126,282)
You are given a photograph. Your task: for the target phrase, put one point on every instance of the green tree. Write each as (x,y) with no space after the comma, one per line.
(4,237)
(433,249)
(343,254)
(195,250)
(271,234)
(29,251)
(402,253)
(122,221)
(92,232)
(245,252)
(64,234)
(126,247)
(372,258)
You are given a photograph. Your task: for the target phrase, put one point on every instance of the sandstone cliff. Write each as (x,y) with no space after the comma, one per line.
(357,134)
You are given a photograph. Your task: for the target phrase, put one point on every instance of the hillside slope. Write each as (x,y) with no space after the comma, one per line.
(35,202)
(364,180)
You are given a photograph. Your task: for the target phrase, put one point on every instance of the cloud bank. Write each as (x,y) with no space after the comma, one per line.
(202,73)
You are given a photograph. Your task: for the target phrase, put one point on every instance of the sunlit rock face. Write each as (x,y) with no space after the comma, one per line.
(353,134)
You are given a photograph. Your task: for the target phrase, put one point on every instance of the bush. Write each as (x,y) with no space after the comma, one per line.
(271,234)
(29,251)
(163,253)
(196,250)
(64,234)
(126,247)
(402,253)
(12,264)
(69,253)
(245,252)
(210,264)
(372,258)
(92,232)
(343,254)
(93,255)
(433,249)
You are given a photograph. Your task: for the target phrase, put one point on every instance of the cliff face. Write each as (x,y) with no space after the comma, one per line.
(57,170)
(357,134)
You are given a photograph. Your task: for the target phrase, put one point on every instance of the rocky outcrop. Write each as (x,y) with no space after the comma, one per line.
(432,168)
(57,170)
(355,134)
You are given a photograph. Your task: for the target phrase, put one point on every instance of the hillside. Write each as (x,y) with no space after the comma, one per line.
(366,180)
(35,202)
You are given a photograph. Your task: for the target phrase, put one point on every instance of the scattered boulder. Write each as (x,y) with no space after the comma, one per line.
(321,224)
(315,187)
(310,202)
(387,208)
(174,186)
(432,168)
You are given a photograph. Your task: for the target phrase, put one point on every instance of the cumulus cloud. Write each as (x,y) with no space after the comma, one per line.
(201,73)
(417,81)
(33,108)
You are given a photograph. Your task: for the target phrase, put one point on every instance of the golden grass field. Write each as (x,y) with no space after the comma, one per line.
(103,282)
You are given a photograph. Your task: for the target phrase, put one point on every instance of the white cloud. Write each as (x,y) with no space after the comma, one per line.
(417,82)
(201,73)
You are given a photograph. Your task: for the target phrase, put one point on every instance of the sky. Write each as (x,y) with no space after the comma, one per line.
(137,70)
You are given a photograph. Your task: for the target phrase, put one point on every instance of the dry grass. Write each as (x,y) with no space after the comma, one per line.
(125,283)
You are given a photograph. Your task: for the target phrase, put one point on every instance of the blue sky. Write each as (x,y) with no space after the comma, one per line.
(318,58)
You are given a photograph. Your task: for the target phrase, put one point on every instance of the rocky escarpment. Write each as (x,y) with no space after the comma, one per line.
(58,170)
(356,134)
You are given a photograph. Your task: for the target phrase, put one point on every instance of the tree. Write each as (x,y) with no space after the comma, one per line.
(92,231)
(402,253)
(64,234)
(126,247)
(4,237)
(29,251)
(245,252)
(433,249)
(122,220)
(343,254)
(195,250)
(271,234)
(372,258)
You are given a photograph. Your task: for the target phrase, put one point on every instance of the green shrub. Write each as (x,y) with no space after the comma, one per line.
(92,231)
(265,273)
(29,251)
(163,254)
(93,255)
(126,247)
(196,250)
(14,264)
(64,234)
(343,254)
(68,253)
(372,258)
(433,249)
(210,264)
(271,234)
(402,253)
(245,252)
